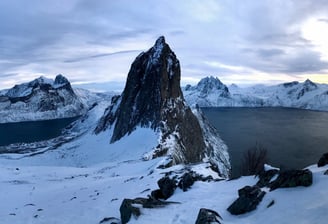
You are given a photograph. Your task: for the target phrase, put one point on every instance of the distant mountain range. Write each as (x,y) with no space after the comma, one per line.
(211,92)
(43,99)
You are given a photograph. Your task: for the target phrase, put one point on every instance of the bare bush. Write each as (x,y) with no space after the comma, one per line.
(253,160)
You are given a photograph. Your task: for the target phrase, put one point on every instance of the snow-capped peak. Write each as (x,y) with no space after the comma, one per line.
(209,84)
(60,81)
(40,99)
(308,83)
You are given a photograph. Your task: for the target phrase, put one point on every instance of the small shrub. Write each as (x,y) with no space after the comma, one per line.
(253,160)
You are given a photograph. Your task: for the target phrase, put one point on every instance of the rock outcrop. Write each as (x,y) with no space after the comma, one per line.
(153,98)
(292,178)
(131,207)
(249,198)
(207,216)
(323,160)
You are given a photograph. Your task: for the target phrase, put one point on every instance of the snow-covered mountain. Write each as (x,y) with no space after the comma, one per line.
(306,95)
(43,99)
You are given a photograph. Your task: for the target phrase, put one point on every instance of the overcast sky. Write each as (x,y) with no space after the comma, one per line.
(95,41)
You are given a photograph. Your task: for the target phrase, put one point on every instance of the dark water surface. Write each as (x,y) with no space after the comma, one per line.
(294,138)
(32,131)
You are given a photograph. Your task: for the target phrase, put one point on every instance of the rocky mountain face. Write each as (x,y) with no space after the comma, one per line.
(153,98)
(209,85)
(208,92)
(40,99)
(306,95)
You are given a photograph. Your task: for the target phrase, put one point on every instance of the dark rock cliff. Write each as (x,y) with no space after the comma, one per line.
(153,98)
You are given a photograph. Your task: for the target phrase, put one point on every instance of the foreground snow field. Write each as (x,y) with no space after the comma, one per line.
(68,194)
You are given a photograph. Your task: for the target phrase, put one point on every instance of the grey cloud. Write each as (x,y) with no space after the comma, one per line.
(8,75)
(261,35)
(305,62)
(325,20)
(100,55)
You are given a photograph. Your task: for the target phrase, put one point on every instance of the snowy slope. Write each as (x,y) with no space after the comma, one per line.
(36,192)
(306,95)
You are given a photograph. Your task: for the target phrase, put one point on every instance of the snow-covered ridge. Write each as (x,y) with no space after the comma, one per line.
(44,99)
(305,95)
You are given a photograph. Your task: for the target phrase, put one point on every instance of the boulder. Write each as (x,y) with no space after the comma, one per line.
(207,216)
(110,220)
(249,198)
(265,177)
(131,207)
(127,210)
(323,160)
(167,187)
(292,178)
(187,180)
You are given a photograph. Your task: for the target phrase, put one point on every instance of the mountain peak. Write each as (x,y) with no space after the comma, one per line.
(61,80)
(160,41)
(309,82)
(211,84)
(152,98)
(153,79)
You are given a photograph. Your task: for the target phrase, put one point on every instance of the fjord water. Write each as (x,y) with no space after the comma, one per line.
(294,138)
(32,131)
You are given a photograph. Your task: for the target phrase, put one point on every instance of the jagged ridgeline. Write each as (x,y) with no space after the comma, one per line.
(40,99)
(152,98)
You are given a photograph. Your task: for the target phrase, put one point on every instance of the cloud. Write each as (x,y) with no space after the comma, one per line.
(84,39)
(100,55)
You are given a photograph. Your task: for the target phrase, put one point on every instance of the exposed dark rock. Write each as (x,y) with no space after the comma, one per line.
(210,84)
(308,86)
(270,204)
(323,160)
(290,84)
(129,208)
(190,177)
(292,178)
(326,172)
(167,187)
(249,198)
(61,80)
(110,220)
(153,79)
(265,177)
(207,216)
(157,194)
(187,180)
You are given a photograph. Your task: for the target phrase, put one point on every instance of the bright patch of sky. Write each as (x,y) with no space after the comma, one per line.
(90,42)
